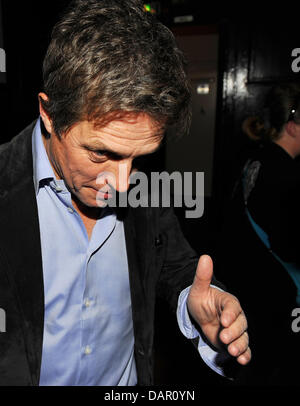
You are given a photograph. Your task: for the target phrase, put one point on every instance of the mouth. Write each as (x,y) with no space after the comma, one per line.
(103,195)
(104,192)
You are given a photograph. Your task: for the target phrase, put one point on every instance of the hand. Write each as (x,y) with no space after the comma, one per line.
(218,313)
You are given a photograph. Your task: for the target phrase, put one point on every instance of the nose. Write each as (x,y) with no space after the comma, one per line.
(117,177)
(123,171)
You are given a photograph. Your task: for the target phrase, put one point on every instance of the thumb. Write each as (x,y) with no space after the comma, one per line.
(204,274)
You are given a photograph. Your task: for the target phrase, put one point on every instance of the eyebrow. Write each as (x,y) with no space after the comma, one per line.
(101,147)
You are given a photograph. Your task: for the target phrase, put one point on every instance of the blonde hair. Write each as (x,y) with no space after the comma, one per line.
(281,105)
(254,128)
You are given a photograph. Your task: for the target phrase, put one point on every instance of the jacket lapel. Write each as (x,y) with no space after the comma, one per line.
(138,244)
(20,241)
(135,264)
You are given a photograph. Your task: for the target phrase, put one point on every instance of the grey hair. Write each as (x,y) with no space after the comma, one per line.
(107,58)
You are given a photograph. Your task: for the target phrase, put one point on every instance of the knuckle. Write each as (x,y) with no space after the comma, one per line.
(225,336)
(245,357)
(236,301)
(234,350)
(245,321)
(248,353)
(239,346)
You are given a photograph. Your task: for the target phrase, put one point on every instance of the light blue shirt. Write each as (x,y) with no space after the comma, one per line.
(88,329)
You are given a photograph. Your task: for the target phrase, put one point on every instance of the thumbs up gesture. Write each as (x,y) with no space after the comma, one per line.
(218,314)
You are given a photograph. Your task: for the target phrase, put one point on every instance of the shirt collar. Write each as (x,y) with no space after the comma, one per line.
(42,168)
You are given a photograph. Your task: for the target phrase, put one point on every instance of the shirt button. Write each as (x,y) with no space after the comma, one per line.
(87,303)
(87,350)
(70,210)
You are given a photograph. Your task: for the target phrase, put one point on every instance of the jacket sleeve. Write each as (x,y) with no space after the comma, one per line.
(179,261)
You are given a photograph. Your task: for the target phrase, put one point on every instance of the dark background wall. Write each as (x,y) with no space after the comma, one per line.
(26,32)
(252,54)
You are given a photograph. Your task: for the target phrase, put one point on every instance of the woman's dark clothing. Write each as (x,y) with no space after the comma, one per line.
(265,289)
(274,201)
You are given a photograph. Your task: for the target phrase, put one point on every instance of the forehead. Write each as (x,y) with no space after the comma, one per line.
(134,134)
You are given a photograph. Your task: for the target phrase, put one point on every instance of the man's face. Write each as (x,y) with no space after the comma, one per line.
(85,152)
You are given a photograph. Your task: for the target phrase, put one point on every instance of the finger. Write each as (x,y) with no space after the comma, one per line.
(235,330)
(231,310)
(239,346)
(203,276)
(244,358)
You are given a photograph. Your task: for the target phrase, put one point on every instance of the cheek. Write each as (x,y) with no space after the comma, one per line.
(91,174)
(79,167)
(85,174)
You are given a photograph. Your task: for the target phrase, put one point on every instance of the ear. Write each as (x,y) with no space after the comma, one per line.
(45,117)
(292,129)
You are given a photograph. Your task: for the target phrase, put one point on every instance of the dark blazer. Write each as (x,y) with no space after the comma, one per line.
(161,262)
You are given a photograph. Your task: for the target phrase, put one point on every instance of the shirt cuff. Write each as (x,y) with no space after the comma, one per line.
(214,359)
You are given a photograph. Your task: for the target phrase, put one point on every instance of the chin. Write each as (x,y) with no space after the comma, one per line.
(87,201)
(101,203)
(90,203)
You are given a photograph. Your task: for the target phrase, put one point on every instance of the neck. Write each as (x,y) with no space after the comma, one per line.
(92,213)
(287,145)
(46,142)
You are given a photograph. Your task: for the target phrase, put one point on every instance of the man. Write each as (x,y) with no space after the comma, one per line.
(78,282)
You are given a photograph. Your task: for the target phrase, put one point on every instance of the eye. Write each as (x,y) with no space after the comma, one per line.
(102,154)
(99,153)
